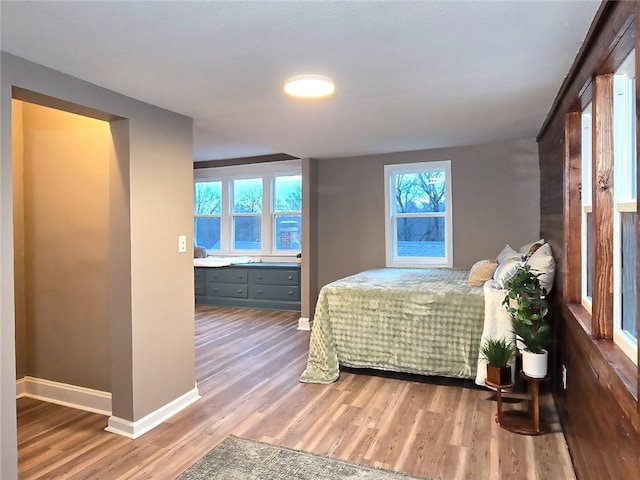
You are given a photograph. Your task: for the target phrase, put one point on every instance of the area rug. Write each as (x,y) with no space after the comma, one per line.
(239,459)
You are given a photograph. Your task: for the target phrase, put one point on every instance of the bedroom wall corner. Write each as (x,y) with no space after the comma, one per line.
(496,200)
(17,143)
(309,263)
(66,231)
(8,428)
(160,334)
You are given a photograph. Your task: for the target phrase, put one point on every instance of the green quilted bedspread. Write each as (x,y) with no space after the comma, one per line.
(425,321)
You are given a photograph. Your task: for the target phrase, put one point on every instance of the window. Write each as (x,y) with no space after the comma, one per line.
(587,210)
(247,214)
(207,212)
(287,212)
(625,210)
(418,214)
(249,209)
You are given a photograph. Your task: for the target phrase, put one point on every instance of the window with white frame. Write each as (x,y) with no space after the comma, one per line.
(207,211)
(625,210)
(249,209)
(418,214)
(246,214)
(287,212)
(587,210)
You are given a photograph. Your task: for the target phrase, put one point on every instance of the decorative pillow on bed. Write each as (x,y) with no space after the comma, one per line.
(508,253)
(534,248)
(542,261)
(481,272)
(527,248)
(506,271)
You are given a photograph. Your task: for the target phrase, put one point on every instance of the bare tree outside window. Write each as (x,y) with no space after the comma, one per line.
(292,202)
(287,216)
(207,212)
(421,203)
(247,213)
(208,199)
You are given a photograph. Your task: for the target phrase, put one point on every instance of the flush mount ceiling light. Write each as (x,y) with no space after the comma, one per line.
(309,86)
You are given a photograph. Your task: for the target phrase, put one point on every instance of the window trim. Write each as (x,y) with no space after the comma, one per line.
(274,213)
(393,260)
(624,195)
(232,215)
(214,215)
(586,202)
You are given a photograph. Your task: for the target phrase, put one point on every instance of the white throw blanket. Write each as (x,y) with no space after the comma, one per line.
(497,324)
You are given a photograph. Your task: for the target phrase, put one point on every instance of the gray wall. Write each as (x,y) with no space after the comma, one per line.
(17,144)
(496,200)
(150,294)
(65,240)
(309,264)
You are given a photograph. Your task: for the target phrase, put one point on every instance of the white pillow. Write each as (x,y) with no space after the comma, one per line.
(508,253)
(506,271)
(542,261)
(525,248)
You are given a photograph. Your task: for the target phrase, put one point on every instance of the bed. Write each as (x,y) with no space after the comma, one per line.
(424,321)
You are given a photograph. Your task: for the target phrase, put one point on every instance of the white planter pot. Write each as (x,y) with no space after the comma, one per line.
(535,364)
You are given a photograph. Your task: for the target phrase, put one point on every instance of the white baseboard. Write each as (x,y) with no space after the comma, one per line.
(135,429)
(304,324)
(20,388)
(73,396)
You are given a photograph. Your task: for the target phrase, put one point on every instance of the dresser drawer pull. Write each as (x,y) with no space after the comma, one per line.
(290,292)
(259,292)
(215,289)
(239,290)
(240,276)
(259,277)
(290,277)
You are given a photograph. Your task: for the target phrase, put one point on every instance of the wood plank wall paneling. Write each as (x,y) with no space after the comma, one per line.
(602,194)
(572,200)
(607,31)
(604,431)
(601,417)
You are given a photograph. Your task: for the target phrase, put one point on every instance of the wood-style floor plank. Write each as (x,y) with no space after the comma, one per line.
(247,366)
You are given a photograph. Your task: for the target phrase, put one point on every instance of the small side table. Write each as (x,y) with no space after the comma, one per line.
(525,423)
(498,389)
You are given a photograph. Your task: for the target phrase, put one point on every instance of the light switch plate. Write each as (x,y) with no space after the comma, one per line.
(182,244)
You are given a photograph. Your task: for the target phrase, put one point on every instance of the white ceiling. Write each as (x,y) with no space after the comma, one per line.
(410,74)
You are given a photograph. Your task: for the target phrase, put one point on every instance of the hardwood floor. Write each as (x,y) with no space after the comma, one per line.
(248,363)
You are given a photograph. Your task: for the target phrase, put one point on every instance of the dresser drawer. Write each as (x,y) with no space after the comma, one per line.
(226,290)
(274,292)
(273,277)
(199,288)
(226,275)
(198,274)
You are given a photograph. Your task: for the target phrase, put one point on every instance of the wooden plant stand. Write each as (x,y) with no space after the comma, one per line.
(516,421)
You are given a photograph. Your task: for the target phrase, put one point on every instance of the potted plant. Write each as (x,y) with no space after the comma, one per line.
(535,337)
(498,353)
(526,297)
(526,303)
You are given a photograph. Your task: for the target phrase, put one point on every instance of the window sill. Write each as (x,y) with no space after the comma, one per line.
(625,370)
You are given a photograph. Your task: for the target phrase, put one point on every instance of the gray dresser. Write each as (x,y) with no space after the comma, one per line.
(274,286)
